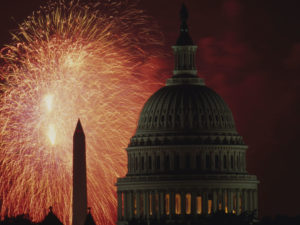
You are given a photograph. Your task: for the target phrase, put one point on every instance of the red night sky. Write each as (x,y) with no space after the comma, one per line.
(249,53)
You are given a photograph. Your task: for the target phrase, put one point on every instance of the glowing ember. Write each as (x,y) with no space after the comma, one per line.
(52,134)
(89,57)
(49,101)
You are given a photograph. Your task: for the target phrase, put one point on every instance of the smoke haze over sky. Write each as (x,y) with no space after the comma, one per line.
(249,52)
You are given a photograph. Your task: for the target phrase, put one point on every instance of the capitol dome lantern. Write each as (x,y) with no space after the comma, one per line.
(186,157)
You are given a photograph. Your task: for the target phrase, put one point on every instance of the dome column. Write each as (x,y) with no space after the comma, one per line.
(230,200)
(204,203)
(251,200)
(245,197)
(223,199)
(153,204)
(138,204)
(214,201)
(157,204)
(131,205)
(146,204)
(126,205)
(119,197)
(193,203)
(238,202)
(255,202)
(220,199)
(162,203)
(172,204)
(183,203)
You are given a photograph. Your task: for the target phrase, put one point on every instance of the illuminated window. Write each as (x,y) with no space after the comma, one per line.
(199,204)
(220,206)
(209,204)
(167,204)
(226,203)
(234,204)
(188,204)
(177,204)
(134,204)
(219,201)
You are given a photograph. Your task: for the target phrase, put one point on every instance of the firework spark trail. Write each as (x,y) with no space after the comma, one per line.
(70,60)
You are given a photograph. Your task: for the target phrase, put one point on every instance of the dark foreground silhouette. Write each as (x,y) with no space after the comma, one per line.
(219,218)
(50,219)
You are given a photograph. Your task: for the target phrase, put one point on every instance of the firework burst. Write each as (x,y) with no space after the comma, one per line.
(70,60)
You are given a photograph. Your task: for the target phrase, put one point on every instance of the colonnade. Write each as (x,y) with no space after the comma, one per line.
(155,204)
(165,161)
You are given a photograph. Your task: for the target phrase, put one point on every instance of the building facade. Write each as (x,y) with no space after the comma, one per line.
(186,157)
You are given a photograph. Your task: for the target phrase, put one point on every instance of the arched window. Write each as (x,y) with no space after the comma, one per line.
(188,203)
(187,161)
(220,201)
(209,204)
(198,161)
(156,203)
(176,162)
(136,163)
(199,204)
(217,162)
(143,163)
(149,163)
(234,203)
(157,162)
(208,161)
(226,202)
(134,203)
(167,204)
(167,162)
(225,162)
(177,204)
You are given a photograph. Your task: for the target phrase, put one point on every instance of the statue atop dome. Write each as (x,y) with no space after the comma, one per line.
(184,37)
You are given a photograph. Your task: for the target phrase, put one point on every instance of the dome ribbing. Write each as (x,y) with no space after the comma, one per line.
(189,108)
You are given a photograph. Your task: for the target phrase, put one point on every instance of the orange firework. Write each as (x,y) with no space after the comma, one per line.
(70,60)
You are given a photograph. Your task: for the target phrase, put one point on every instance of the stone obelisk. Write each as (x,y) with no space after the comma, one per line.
(79,203)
